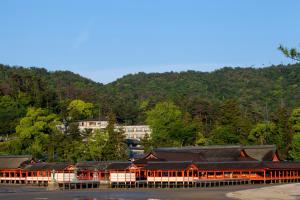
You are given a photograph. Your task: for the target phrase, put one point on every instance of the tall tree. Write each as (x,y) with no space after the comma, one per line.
(165,120)
(79,109)
(294,152)
(232,119)
(34,131)
(146,143)
(170,126)
(265,133)
(222,135)
(10,112)
(294,121)
(115,148)
(281,119)
(95,144)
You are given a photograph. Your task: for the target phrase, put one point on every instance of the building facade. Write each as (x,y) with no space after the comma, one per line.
(163,167)
(131,132)
(92,124)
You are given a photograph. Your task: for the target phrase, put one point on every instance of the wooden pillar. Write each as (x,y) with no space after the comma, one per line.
(249,174)
(169,173)
(192,174)
(26,177)
(271,172)
(182,174)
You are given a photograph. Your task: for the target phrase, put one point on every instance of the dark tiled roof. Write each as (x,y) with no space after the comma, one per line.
(214,154)
(236,165)
(171,165)
(119,165)
(201,154)
(143,161)
(48,166)
(14,162)
(261,152)
(177,155)
(282,165)
(92,165)
(219,155)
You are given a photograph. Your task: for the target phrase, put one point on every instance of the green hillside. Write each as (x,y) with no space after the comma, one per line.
(260,91)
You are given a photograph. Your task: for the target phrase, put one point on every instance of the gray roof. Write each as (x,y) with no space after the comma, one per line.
(201,154)
(47,166)
(261,152)
(92,165)
(14,161)
(119,165)
(167,165)
(222,153)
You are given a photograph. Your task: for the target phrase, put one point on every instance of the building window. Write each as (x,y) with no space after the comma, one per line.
(92,123)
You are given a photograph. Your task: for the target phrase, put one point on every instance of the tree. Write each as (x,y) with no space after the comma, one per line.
(187,135)
(73,131)
(146,142)
(223,135)
(265,133)
(294,120)
(203,110)
(79,109)
(34,131)
(71,150)
(171,127)
(281,119)
(115,148)
(292,53)
(56,138)
(200,139)
(294,151)
(231,118)
(10,112)
(95,145)
(164,119)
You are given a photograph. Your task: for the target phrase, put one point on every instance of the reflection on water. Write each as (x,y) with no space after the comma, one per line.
(122,195)
(109,198)
(37,193)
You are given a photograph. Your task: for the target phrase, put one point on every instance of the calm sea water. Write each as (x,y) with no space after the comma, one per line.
(35,193)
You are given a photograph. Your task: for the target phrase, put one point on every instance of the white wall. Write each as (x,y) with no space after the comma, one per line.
(122,177)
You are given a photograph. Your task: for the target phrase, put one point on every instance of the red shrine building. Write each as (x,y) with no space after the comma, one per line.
(163,167)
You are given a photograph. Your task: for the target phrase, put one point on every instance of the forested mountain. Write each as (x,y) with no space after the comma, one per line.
(258,91)
(21,88)
(226,106)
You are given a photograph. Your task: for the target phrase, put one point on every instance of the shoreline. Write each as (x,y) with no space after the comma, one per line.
(18,192)
(283,191)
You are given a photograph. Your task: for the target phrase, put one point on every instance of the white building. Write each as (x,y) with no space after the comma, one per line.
(131,132)
(136,131)
(92,124)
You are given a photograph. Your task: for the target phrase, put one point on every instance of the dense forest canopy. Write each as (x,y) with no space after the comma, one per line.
(258,91)
(226,106)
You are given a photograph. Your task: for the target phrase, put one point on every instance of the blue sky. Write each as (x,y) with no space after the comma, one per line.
(104,40)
